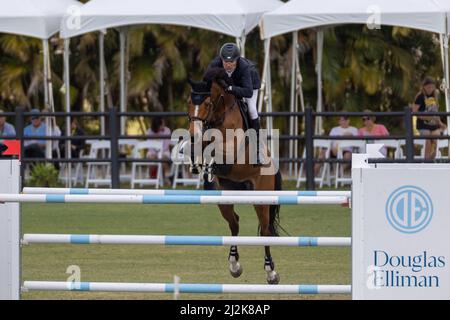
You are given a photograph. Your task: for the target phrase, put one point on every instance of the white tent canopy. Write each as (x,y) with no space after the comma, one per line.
(38,19)
(295,15)
(427,15)
(445,5)
(232,17)
(34,18)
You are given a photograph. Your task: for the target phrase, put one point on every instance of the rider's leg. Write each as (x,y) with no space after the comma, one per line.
(255,123)
(252,108)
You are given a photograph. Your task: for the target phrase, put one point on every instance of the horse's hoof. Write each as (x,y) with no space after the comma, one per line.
(236,270)
(273,278)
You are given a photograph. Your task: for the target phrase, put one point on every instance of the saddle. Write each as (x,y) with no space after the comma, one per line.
(243,108)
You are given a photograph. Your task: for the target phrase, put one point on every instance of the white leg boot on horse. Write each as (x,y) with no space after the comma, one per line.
(268,229)
(233,223)
(235,267)
(269,266)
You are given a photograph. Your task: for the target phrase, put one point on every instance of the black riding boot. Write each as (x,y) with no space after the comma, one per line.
(256,125)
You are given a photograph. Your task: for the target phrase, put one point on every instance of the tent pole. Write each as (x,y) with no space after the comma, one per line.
(299,96)
(45,60)
(68,108)
(262,92)
(51,99)
(319,122)
(269,96)
(123,98)
(293,97)
(300,84)
(48,128)
(447,78)
(101,40)
(241,43)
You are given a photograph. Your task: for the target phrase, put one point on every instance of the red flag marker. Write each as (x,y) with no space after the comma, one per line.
(13,148)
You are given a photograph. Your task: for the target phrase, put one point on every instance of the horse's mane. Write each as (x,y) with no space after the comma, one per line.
(219,75)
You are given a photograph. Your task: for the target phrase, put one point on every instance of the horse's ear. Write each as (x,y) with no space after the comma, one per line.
(197,86)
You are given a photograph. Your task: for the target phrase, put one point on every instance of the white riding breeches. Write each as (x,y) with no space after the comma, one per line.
(252,108)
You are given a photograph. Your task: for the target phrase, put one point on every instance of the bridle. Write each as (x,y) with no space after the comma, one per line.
(212,106)
(207,123)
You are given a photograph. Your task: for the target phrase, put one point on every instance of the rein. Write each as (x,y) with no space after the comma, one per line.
(212,106)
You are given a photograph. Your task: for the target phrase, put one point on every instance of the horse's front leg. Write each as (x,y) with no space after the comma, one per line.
(264,223)
(233,222)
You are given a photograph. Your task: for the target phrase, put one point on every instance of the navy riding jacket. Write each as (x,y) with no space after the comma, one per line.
(245,77)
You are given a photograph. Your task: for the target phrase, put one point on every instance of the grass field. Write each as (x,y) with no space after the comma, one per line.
(113,263)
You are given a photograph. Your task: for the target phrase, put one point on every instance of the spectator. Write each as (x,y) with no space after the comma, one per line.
(371,128)
(6,129)
(35,148)
(427,100)
(345,130)
(77,145)
(158,128)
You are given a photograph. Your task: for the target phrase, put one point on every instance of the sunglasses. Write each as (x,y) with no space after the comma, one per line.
(365,118)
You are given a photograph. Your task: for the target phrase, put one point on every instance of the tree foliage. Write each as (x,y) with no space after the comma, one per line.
(375,69)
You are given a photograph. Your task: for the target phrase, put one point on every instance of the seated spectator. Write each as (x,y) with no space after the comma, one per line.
(345,130)
(427,100)
(77,145)
(158,128)
(35,148)
(6,129)
(371,128)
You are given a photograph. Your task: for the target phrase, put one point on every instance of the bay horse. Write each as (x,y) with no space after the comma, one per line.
(212,107)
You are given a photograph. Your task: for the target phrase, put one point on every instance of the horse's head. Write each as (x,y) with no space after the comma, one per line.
(206,108)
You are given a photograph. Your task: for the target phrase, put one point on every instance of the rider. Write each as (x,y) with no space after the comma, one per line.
(246,82)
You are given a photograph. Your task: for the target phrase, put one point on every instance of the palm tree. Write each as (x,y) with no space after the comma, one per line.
(378,69)
(21,75)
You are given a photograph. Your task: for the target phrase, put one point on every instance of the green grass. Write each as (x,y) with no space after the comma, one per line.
(115,263)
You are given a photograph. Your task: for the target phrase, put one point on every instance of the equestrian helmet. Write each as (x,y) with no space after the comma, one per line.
(230,52)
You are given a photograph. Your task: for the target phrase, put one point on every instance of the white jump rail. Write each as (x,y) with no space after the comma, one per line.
(185,288)
(186,240)
(181,199)
(83,191)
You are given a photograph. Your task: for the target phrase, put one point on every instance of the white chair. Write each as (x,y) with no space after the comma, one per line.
(391,144)
(98,173)
(126,146)
(441,145)
(140,176)
(417,143)
(356,146)
(79,167)
(324,175)
(179,162)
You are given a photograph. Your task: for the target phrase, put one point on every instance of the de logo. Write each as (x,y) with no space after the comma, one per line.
(409,209)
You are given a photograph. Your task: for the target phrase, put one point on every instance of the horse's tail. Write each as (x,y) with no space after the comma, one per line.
(274,210)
